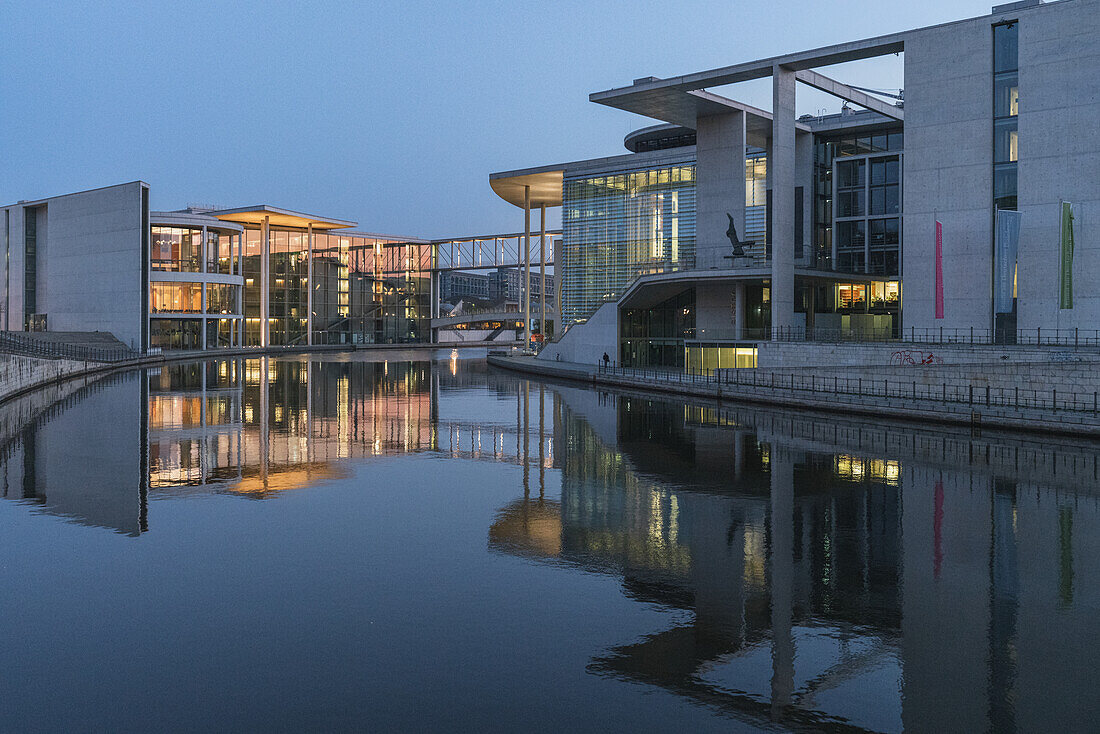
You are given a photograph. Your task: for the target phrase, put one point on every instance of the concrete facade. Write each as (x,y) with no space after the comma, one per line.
(948,100)
(90,272)
(1059,160)
(720,187)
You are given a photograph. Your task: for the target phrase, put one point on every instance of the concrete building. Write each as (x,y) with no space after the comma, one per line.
(909,218)
(207,277)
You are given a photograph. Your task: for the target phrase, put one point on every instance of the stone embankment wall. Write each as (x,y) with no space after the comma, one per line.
(19,373)
(847,354)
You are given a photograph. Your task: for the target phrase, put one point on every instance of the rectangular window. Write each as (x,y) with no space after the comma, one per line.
(168,297)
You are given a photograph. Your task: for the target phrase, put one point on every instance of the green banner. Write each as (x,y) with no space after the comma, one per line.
(1066,295)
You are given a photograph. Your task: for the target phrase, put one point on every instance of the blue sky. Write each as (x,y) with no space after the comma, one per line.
(389,113)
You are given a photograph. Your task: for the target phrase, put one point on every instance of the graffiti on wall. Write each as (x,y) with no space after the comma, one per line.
(907,357)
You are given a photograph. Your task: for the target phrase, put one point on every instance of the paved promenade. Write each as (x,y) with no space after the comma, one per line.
(1047,397)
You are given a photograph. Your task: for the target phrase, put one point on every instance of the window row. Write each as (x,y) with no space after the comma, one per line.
(221,298)
(181,250)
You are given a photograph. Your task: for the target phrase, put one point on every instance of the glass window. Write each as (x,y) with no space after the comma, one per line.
(175,333)
(1006,95)
(1005,141)
(175,297)
(1005,47)
(850,203)
(849,174)
(221,298)
(850,235)
(175,249)
(1004,186)
(896,141)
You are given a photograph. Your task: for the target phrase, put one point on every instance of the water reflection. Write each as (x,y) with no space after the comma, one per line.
(839,574)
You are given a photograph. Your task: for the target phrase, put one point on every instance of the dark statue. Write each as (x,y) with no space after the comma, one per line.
(738,244)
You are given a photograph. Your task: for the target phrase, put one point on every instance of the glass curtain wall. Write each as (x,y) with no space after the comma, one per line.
(1006,152)
(177,249)
(620,225)
(859,232)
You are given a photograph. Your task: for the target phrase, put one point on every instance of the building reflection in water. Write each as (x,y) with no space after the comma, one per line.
(246,427)
(822,573)
(939,589)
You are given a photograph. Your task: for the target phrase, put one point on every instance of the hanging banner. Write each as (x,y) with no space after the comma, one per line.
(1066,294)
(1006,247)
(939,269)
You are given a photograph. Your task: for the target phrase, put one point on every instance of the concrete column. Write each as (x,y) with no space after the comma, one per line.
(265,281)
(720,187)
(781,167)
(527,266)
(782,577)
(739,310)
(309,284)
(542,272)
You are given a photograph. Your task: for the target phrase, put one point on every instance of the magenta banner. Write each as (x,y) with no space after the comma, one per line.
(939,269)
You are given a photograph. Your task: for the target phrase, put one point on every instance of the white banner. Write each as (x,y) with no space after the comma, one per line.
(1006,246)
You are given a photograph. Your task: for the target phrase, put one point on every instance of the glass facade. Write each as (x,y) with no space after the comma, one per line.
(365,289)
(654,336)
(182,259)
(858,231)
(620,225)
(1006,144)
(176,249)
(174,297)
(1006,97)
(861,227)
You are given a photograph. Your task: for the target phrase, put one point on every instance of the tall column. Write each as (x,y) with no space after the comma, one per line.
(265,282)
(781,166)
(309,284)
(542,273)
(526,267)
(739,310)
(720,187)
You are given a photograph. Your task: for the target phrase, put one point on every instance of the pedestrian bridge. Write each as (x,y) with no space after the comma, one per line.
(505,317)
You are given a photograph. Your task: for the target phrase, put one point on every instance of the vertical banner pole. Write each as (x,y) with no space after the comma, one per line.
(939,269)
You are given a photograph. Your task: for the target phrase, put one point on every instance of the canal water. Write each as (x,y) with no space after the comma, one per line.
(410,541)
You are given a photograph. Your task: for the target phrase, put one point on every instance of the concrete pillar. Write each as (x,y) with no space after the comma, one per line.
(720,187)
(526,267)
(542,272)
(739,310)
(781,468)
(781,168)
(309,284)
(265,282)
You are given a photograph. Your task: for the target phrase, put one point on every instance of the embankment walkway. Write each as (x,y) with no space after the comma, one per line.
(1051,397)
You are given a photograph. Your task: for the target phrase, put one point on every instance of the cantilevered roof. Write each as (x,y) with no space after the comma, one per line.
(545,183)
(680,99)
(278,217)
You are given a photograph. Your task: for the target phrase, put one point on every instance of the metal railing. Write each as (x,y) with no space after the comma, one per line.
(1076,338)
(965,393)
(19,343)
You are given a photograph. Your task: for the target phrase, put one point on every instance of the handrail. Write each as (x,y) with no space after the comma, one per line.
(962,392)
(18,343)
(1039,336)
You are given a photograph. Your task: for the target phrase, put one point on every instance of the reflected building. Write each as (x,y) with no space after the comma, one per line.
(839,575)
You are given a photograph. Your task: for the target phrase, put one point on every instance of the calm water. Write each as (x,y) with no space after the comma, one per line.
(397,543)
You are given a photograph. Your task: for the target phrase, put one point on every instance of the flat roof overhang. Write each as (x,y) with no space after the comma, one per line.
(255,215)
(649,290)
(681,99)
(545,183)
